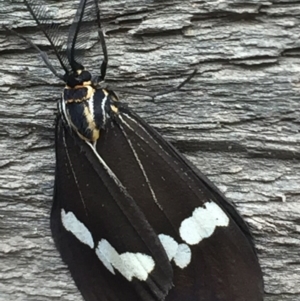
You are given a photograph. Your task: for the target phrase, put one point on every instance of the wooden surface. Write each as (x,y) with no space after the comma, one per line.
(238,121)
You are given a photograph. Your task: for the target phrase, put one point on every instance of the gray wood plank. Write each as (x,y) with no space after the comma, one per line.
(238,121)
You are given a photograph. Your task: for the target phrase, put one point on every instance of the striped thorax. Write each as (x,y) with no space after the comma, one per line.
(84,107)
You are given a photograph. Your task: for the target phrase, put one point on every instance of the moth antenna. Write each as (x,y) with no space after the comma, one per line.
(102,41)
(42,53)
(74,31)
(41,27)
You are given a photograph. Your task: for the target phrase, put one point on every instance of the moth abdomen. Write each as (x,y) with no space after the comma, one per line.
(81,120)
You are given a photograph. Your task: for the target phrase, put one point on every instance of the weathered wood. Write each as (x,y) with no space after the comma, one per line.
(238,121)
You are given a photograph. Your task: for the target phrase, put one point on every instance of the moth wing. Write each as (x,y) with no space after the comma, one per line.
(183,206)
(102,235)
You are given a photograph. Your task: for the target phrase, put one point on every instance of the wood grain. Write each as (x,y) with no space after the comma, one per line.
(238,121)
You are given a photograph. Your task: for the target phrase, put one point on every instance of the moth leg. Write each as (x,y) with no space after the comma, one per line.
(153,95)
(178,87)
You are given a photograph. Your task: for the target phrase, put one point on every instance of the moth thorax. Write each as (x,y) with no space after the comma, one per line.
(86,110)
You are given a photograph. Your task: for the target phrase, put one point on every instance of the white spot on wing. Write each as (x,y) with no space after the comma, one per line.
(139,264)
(128,264)
(181,253)
(77,228)
(202,223)
(169,244)
(183,256)
(104,258)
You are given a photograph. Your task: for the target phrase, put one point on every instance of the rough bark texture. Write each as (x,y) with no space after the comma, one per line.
(238,121)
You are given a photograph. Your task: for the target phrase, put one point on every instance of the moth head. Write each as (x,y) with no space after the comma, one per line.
(79,77)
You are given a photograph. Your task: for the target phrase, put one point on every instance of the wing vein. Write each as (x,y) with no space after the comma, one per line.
(142,169)
(158,145)
(74,175)
(152,280)
(140,165)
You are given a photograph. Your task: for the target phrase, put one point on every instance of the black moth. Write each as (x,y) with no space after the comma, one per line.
(131,217)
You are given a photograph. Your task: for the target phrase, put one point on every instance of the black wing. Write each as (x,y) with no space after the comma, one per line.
(92,216)
(183,207)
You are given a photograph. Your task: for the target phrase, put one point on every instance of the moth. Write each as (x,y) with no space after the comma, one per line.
(131,217)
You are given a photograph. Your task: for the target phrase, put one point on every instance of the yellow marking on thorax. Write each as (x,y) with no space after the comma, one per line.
(114,109)
(84,84)
(89,93)
(112,95)
(91,124)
